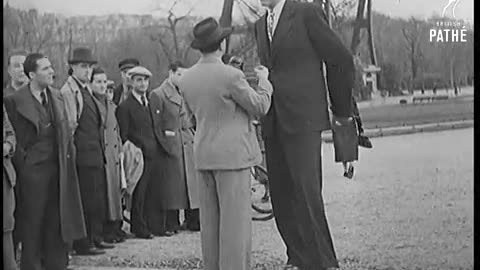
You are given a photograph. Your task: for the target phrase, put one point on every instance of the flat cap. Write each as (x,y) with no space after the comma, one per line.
(139,70)
(128,63)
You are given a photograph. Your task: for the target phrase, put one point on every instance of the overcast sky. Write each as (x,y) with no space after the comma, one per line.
(400,8)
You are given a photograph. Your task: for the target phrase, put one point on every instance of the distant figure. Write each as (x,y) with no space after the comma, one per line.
(120,93)
(15,70)
(423,91)
(434,90)
(455,88)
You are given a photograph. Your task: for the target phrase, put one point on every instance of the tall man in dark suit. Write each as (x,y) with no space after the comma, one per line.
(52,214)
(120,93)
(136,120)
(293,41)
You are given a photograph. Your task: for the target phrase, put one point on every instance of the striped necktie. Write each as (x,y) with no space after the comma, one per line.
(270,22)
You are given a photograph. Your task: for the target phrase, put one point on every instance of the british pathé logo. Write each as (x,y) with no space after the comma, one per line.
(449,30)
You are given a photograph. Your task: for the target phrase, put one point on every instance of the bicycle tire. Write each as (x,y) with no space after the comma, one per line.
(260,175)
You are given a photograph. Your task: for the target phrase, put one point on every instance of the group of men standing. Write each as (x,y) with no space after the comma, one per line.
(63,154)
(60,153)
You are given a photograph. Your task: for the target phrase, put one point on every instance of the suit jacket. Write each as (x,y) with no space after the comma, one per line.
(138,129)
(25,120)
(301,42)
(89,134)
(224,107)
(73,102)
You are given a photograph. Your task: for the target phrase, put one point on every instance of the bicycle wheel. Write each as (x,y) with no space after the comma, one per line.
(260,194)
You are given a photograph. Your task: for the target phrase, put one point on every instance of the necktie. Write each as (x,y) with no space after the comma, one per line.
(43,97)
(270,22)
(144,102)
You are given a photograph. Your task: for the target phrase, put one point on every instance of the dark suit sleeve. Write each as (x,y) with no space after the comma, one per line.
(338,59)
(123,121)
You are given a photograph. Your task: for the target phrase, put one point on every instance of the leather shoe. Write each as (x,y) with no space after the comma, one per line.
(89,252)
(103,245)
(349,174)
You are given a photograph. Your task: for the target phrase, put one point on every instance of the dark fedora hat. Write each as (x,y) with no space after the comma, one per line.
(208,32)
(82,55)
(128,63)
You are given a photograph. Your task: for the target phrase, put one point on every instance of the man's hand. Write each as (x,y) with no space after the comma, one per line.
(7,148)
(262,72)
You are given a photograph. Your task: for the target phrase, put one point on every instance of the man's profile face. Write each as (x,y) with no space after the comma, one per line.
(82,71)
(15,68)
(140,83)
(43,75)
(175,76)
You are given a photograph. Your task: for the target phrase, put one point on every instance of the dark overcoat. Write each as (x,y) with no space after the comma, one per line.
(179,187)
(20,109)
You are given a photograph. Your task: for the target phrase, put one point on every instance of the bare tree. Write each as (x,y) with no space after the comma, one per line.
(169,33)
(412,32)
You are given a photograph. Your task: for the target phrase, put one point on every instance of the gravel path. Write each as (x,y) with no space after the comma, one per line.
(410,206)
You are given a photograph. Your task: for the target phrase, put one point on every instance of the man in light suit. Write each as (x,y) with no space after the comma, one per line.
(293,41)
(225,147)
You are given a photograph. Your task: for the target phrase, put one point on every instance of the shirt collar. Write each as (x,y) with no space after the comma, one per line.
(277,10)
(36,94)
(80,84)
(139,97)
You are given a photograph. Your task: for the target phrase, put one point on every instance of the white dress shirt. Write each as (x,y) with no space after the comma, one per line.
(139,97)
(277,11)
(37,95)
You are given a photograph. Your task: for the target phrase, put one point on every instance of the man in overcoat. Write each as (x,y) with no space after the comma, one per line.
(137,123)
(113,148)
(225,146)
(9,180)
(52,213)
(293,41)
(178,189)
(89,124)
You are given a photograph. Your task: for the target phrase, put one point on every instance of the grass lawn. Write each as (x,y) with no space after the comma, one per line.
(454,109)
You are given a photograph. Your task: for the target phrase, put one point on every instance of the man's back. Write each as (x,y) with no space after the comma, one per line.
(224,106)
